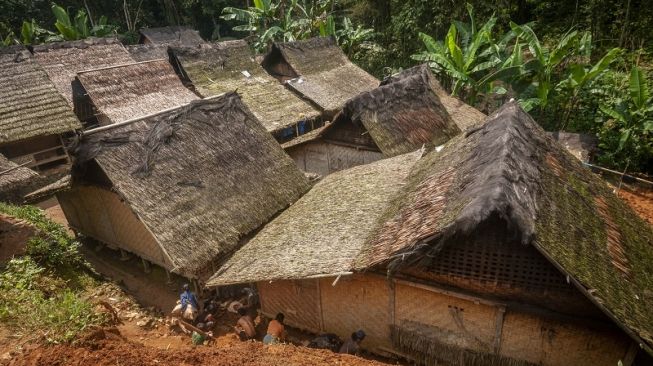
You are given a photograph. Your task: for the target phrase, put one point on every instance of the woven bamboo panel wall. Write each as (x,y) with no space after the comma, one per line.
(297,300)
(551,343)
(100,214)
(459,322)
(324,158)
(358,302)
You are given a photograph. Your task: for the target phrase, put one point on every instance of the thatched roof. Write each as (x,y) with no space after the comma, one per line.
(15,180)
(63,60)
(580,145)
(29,103)
(336,218)
(45,192)
(135,90)
(148,52)
(199,177)
(325,75)
(227,66)
(464,115)
(508,167)
(401,116)
(180,35)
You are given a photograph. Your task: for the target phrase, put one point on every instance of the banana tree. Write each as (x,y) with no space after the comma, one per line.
(542,68)
(467,57)
(31,33)
(633,118)
(78,27)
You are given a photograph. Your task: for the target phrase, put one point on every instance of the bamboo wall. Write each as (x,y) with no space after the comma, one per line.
(101,215)
(324,158)
(452,328)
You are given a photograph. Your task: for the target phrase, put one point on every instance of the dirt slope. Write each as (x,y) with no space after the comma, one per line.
(109,348)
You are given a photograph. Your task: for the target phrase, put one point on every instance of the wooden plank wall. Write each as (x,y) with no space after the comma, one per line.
(325,158)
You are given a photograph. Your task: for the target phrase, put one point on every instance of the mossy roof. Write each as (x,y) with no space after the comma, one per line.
(401,116)
(227,66)
(63,60)
(134,90)
(180,35)
(30,105)
(325,75)
(507,167)
(200,177)
(148,51)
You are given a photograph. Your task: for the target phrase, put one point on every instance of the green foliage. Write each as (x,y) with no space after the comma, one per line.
(268,21)
(78,28)
(41,292)
(52,248)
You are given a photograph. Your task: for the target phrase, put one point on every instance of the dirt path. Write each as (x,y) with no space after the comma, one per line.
(640,199)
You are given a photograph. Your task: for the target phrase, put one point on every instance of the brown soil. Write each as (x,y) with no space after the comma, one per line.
(14,235)
(640,199)
(110,348)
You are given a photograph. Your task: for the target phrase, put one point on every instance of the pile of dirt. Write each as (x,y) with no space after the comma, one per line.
(108,348)
(640,199)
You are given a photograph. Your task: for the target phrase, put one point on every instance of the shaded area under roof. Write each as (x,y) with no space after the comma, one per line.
(30,105)
(135,90)
(63,60)
(227,66)
(199,177)
(325,74)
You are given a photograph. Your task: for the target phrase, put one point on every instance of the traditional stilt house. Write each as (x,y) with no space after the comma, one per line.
(319,71)
(179,35)
(227,66)
(181,188)
(63,60)
(123,92)
(33,116)
(397,117)
(498,249)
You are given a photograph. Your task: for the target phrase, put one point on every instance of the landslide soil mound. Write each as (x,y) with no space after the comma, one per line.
(108,348)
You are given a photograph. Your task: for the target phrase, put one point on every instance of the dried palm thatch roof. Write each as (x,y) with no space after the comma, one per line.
(171,35)
(324,74)
(130,91)
(509,168)
(63,60)
(227,66)
(63,184)
(199,177)
(401,116)
(15,180)
(29,103)
(464,115)
(148,52)
(335,218)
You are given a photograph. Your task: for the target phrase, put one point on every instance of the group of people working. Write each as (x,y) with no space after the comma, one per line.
(188,309)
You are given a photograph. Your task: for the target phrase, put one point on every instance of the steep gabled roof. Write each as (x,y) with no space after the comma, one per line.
(507,167)
(336,217)
(325,75)
(29,103)
(199,177)
(134,90)
(401,116)
(227,66)
(180,35)
(63,60)
(464,115)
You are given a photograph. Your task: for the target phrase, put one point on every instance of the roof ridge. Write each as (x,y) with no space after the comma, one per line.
(121,65)
(81,43)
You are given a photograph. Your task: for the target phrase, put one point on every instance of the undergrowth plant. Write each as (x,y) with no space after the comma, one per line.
(42,292)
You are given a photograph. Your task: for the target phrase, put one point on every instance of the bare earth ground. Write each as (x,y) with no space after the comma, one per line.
(640,199)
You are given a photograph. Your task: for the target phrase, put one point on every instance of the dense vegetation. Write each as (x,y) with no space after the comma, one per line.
(576,66)
(42,292)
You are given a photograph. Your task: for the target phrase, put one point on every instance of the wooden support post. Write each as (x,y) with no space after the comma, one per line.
(169,280)
(498,328)
(391,304)
(146,266)
(124,256)
(319,305)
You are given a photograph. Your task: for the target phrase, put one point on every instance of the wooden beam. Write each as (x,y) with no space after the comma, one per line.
(392,303)
(459,295)
(498,329)
(319,305)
